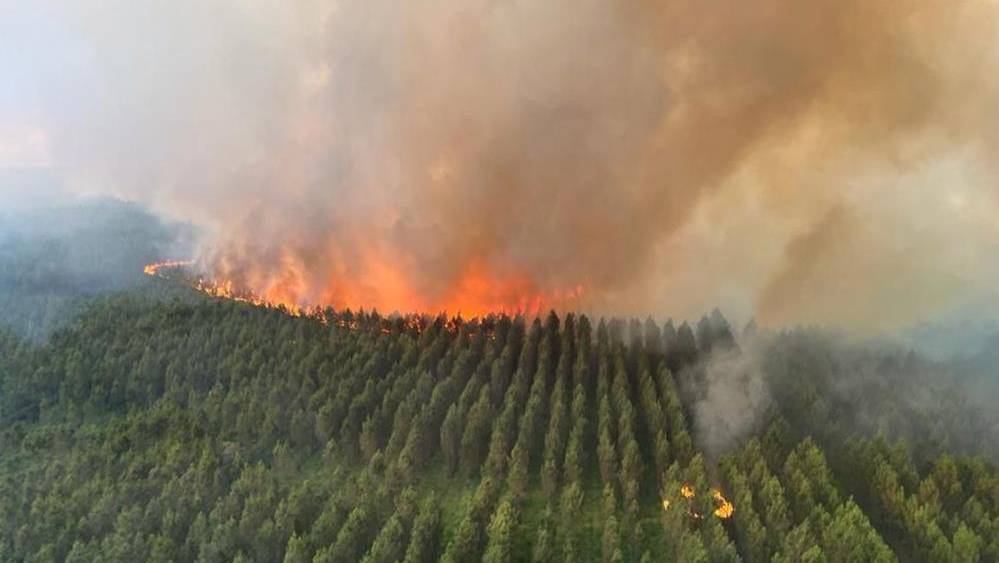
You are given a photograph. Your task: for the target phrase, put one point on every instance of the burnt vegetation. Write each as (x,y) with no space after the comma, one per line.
(162,425)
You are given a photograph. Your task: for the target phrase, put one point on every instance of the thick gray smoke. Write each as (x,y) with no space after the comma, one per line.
(828,161)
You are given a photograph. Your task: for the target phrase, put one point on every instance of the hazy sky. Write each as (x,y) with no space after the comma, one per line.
(801,162)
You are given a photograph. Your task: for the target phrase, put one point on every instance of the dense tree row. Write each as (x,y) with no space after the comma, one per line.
(204,430)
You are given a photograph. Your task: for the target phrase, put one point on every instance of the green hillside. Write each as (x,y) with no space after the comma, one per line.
(203,430)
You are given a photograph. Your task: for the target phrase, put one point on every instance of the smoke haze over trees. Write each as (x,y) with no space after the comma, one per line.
(54,256)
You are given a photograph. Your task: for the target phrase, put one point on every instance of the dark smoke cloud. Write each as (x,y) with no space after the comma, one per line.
(798,161)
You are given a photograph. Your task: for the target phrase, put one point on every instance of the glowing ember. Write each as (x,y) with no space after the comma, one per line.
(687,492)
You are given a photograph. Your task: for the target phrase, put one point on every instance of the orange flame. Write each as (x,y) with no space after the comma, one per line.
(723,510)
(222,290)
(687,492)
(412,323)
(226,290)
(154,268)
(475,290)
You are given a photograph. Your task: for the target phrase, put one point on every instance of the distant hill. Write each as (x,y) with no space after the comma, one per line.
(54,257)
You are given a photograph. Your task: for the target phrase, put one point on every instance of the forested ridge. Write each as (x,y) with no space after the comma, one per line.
(193,429)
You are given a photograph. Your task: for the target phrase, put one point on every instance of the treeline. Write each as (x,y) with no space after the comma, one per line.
(210,431)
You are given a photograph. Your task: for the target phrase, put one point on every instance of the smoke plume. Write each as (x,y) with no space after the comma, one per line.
(828,161)
(734,400)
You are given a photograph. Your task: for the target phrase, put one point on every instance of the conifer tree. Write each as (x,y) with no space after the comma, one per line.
(499,546)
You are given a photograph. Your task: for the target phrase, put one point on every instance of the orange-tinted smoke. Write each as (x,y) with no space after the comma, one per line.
(473,154)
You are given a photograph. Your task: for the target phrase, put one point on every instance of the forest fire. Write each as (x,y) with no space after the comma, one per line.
(179,271)
(476,292)
(154,268)
(226,290)
(723,508)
